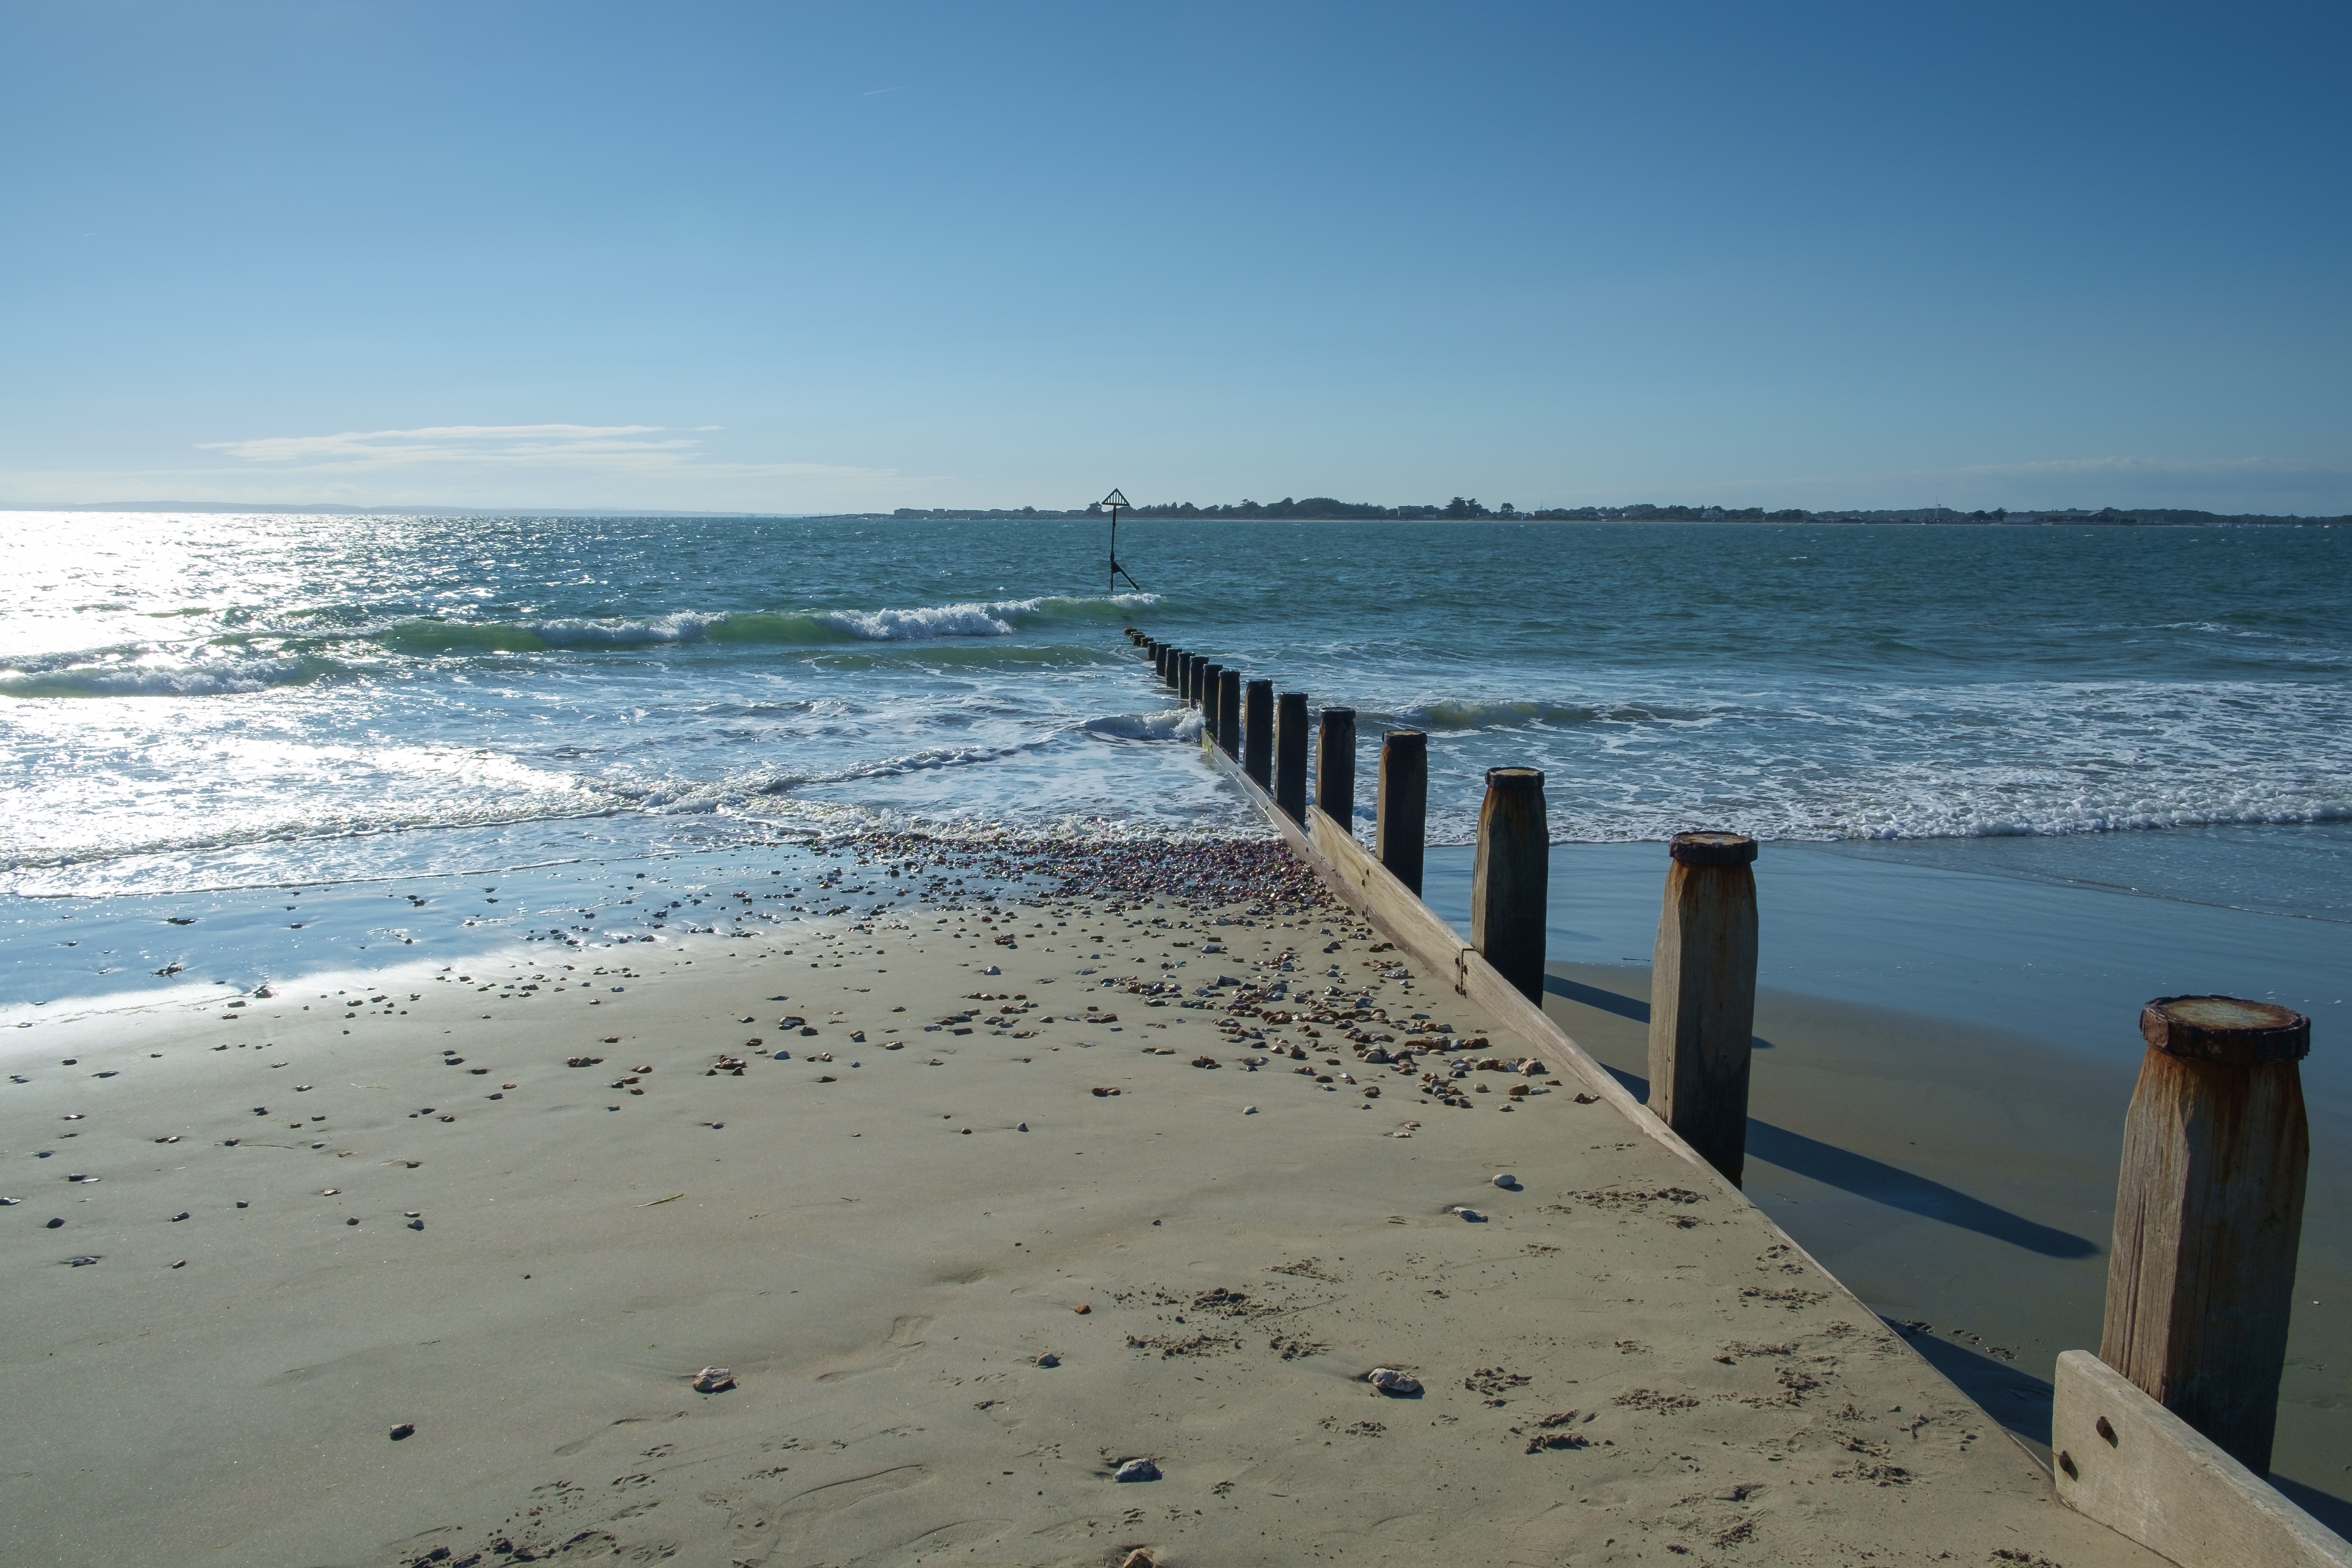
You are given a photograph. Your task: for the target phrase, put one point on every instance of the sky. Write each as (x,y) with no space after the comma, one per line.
(826,257)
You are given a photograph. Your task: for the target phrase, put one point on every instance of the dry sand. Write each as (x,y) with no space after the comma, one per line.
(1620,1365)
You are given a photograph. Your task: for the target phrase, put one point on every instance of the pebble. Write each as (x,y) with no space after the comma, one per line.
(713,1380)
(1137,1470)
(1049,1359)
(1249,1110)
(404,1431)
(1403,1385)
(1507,1180)
(1472,1216)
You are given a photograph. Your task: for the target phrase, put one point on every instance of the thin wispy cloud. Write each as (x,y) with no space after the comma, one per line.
(605,451)
(489,465)
(632,446)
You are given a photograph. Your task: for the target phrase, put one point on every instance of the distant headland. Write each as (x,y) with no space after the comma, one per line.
(1319,509)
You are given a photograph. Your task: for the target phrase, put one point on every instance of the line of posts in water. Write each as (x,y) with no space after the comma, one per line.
(2208,1203)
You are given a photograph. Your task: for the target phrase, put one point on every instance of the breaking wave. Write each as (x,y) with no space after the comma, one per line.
(795,628)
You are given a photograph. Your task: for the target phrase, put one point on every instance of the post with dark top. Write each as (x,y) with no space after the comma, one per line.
(1703,996)
(1400,825)
(2209,1216)
(1212,677)
(1179,667)
(1257,733)
(1511,882)
(1168,657)
(1229,712)
(1290,753)
(1335,766)
(1158,652)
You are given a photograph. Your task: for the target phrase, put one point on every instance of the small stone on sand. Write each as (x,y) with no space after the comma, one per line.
(713,1380)
(1137,1470)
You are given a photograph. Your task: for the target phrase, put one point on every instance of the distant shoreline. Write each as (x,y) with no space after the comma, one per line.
(1294,512)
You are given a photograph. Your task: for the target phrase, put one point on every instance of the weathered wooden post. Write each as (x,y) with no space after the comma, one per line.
(1703,996)
(1181,671)
(1400,828)
(1212,677)
(1290,753)
(2209,1216)
(1257,733)
(1335,766)
(1229,712)
(1510,885)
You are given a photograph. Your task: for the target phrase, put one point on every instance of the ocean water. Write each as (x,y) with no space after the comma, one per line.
(193,705)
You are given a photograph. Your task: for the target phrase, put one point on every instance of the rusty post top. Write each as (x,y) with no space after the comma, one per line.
(1712,848)
(1515,778)
(1407,736)
(2225,1029)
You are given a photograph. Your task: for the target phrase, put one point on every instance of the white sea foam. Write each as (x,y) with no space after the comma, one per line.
(1167,724)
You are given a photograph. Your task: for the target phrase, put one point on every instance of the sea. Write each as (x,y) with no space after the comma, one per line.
(237,712)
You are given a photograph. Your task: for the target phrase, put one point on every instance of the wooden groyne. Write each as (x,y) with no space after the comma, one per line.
(2164,1436)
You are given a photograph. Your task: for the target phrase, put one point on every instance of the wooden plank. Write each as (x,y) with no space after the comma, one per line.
(2134,1467)
(2209,1216)
(1703,996)
(1368,886)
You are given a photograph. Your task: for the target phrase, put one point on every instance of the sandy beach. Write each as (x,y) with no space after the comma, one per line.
(992,1230)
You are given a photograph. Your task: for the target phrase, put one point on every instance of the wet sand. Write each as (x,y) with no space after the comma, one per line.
(1961,1179)
(410,1211)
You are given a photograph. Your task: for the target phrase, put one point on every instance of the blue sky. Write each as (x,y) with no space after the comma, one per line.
(807,256)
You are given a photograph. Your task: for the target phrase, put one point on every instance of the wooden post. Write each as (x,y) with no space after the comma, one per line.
(1229,712)
(1290,753)
(1335,766)
(2208,1217)
(1257,733)
(1511,884)
(1182,669)
(1211,677)
(1401,825)
(1703,996)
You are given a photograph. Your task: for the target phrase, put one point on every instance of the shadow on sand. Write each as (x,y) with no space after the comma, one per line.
(1847,1171)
